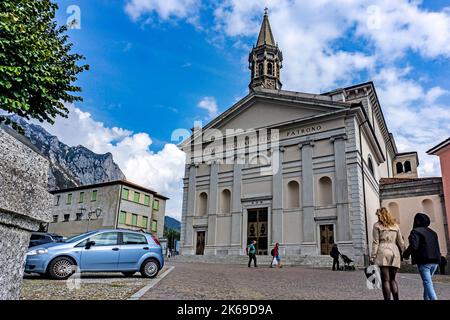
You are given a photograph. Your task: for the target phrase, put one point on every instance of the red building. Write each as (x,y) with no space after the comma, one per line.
(442,150)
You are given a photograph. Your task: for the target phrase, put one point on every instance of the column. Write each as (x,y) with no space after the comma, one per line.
(341,189)
(277,196)
(190,212)
(212,205)
(307,192)
(236,209)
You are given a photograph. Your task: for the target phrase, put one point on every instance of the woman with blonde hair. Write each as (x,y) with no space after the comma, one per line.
(387,248)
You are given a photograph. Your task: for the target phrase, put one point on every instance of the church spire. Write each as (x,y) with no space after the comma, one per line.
(265,34)
(265,59)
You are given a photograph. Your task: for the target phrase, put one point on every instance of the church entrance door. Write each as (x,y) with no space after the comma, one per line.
(200,248)
(326,238)
(257,229)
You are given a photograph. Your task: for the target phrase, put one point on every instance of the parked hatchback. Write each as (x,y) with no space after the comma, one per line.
(98,251)
(38,238)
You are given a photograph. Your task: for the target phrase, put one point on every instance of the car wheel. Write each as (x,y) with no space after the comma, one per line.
(61,268)
(128,274)
(150,268)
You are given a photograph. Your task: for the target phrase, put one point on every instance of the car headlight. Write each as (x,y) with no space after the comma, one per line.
(35,252)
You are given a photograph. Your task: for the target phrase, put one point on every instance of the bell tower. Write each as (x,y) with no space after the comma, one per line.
(265,59)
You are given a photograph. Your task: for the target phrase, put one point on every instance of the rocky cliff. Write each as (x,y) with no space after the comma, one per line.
(69,166)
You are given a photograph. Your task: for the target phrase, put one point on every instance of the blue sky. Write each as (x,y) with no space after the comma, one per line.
(158,65)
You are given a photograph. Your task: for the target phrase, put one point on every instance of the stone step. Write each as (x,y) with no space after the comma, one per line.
(291,260)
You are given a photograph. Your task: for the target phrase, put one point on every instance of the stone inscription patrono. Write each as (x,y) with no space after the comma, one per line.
(302,131)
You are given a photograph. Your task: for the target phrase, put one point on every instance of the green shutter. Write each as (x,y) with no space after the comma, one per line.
(156,204)
(94,195)
(144,222)
(154,225)
(134,219)
(125,193)
(81,200)
(146,200)
(122,217)
(136,197)
(69,198)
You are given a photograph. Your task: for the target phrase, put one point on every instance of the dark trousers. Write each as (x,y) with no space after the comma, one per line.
(251,256)
(335,263)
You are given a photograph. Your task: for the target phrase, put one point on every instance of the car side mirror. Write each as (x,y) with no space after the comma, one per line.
(89,244)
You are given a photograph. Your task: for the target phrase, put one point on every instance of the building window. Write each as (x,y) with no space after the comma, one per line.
(81,199)
(134,219)
(144,222)
(370,165)
(202,204)
(407,166)
(146,200)
(58,198)
(125,193)
(225,201)
(122,217)
(55,218)
(270,68)
(260,69)
(325,195)
(156,204)
(79,216)
(293,195)
(94,195)
(394,210)
(399,167)
(428,208)
(154,225)
(69,199)
(136,197)
(66,217)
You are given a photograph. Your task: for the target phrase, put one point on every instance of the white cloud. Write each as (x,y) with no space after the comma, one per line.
(162,171)
(165,9)
(210,105)
(411,112)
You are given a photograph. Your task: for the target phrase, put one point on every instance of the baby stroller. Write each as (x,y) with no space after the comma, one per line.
(348,263)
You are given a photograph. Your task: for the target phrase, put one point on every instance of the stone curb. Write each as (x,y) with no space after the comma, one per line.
(152,283)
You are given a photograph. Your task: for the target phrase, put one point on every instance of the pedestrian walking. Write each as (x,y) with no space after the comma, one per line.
(425,253)
(335,254)
(276,260)
(252,253)
(387,248)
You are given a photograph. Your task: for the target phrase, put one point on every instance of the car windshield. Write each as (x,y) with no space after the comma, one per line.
(79,237)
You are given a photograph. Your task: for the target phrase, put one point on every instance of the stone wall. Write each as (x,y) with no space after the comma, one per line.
(24,204)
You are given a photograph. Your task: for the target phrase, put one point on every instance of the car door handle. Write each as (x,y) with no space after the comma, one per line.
(115,249)
(145,248)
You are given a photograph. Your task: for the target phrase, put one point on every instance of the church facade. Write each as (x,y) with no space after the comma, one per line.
(300,169)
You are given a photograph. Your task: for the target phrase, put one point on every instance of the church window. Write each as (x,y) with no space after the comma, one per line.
(407,166)
(428,208)
(225,201)
(261,69)
(370,165)
(325,195)
(293,195)
(394,210)
(270,68)
(202,204)
(399,167)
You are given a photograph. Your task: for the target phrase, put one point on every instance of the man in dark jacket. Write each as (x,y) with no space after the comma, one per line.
(425,252)
(335,255)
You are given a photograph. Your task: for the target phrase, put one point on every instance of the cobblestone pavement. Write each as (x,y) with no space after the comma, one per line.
(93,286)
(217,281)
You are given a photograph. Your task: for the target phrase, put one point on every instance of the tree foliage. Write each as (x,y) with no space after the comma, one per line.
(37,67)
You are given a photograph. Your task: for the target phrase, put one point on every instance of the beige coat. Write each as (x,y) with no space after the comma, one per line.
(386,244)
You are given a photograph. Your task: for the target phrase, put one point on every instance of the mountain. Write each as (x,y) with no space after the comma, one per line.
(69,166)
(172,223)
